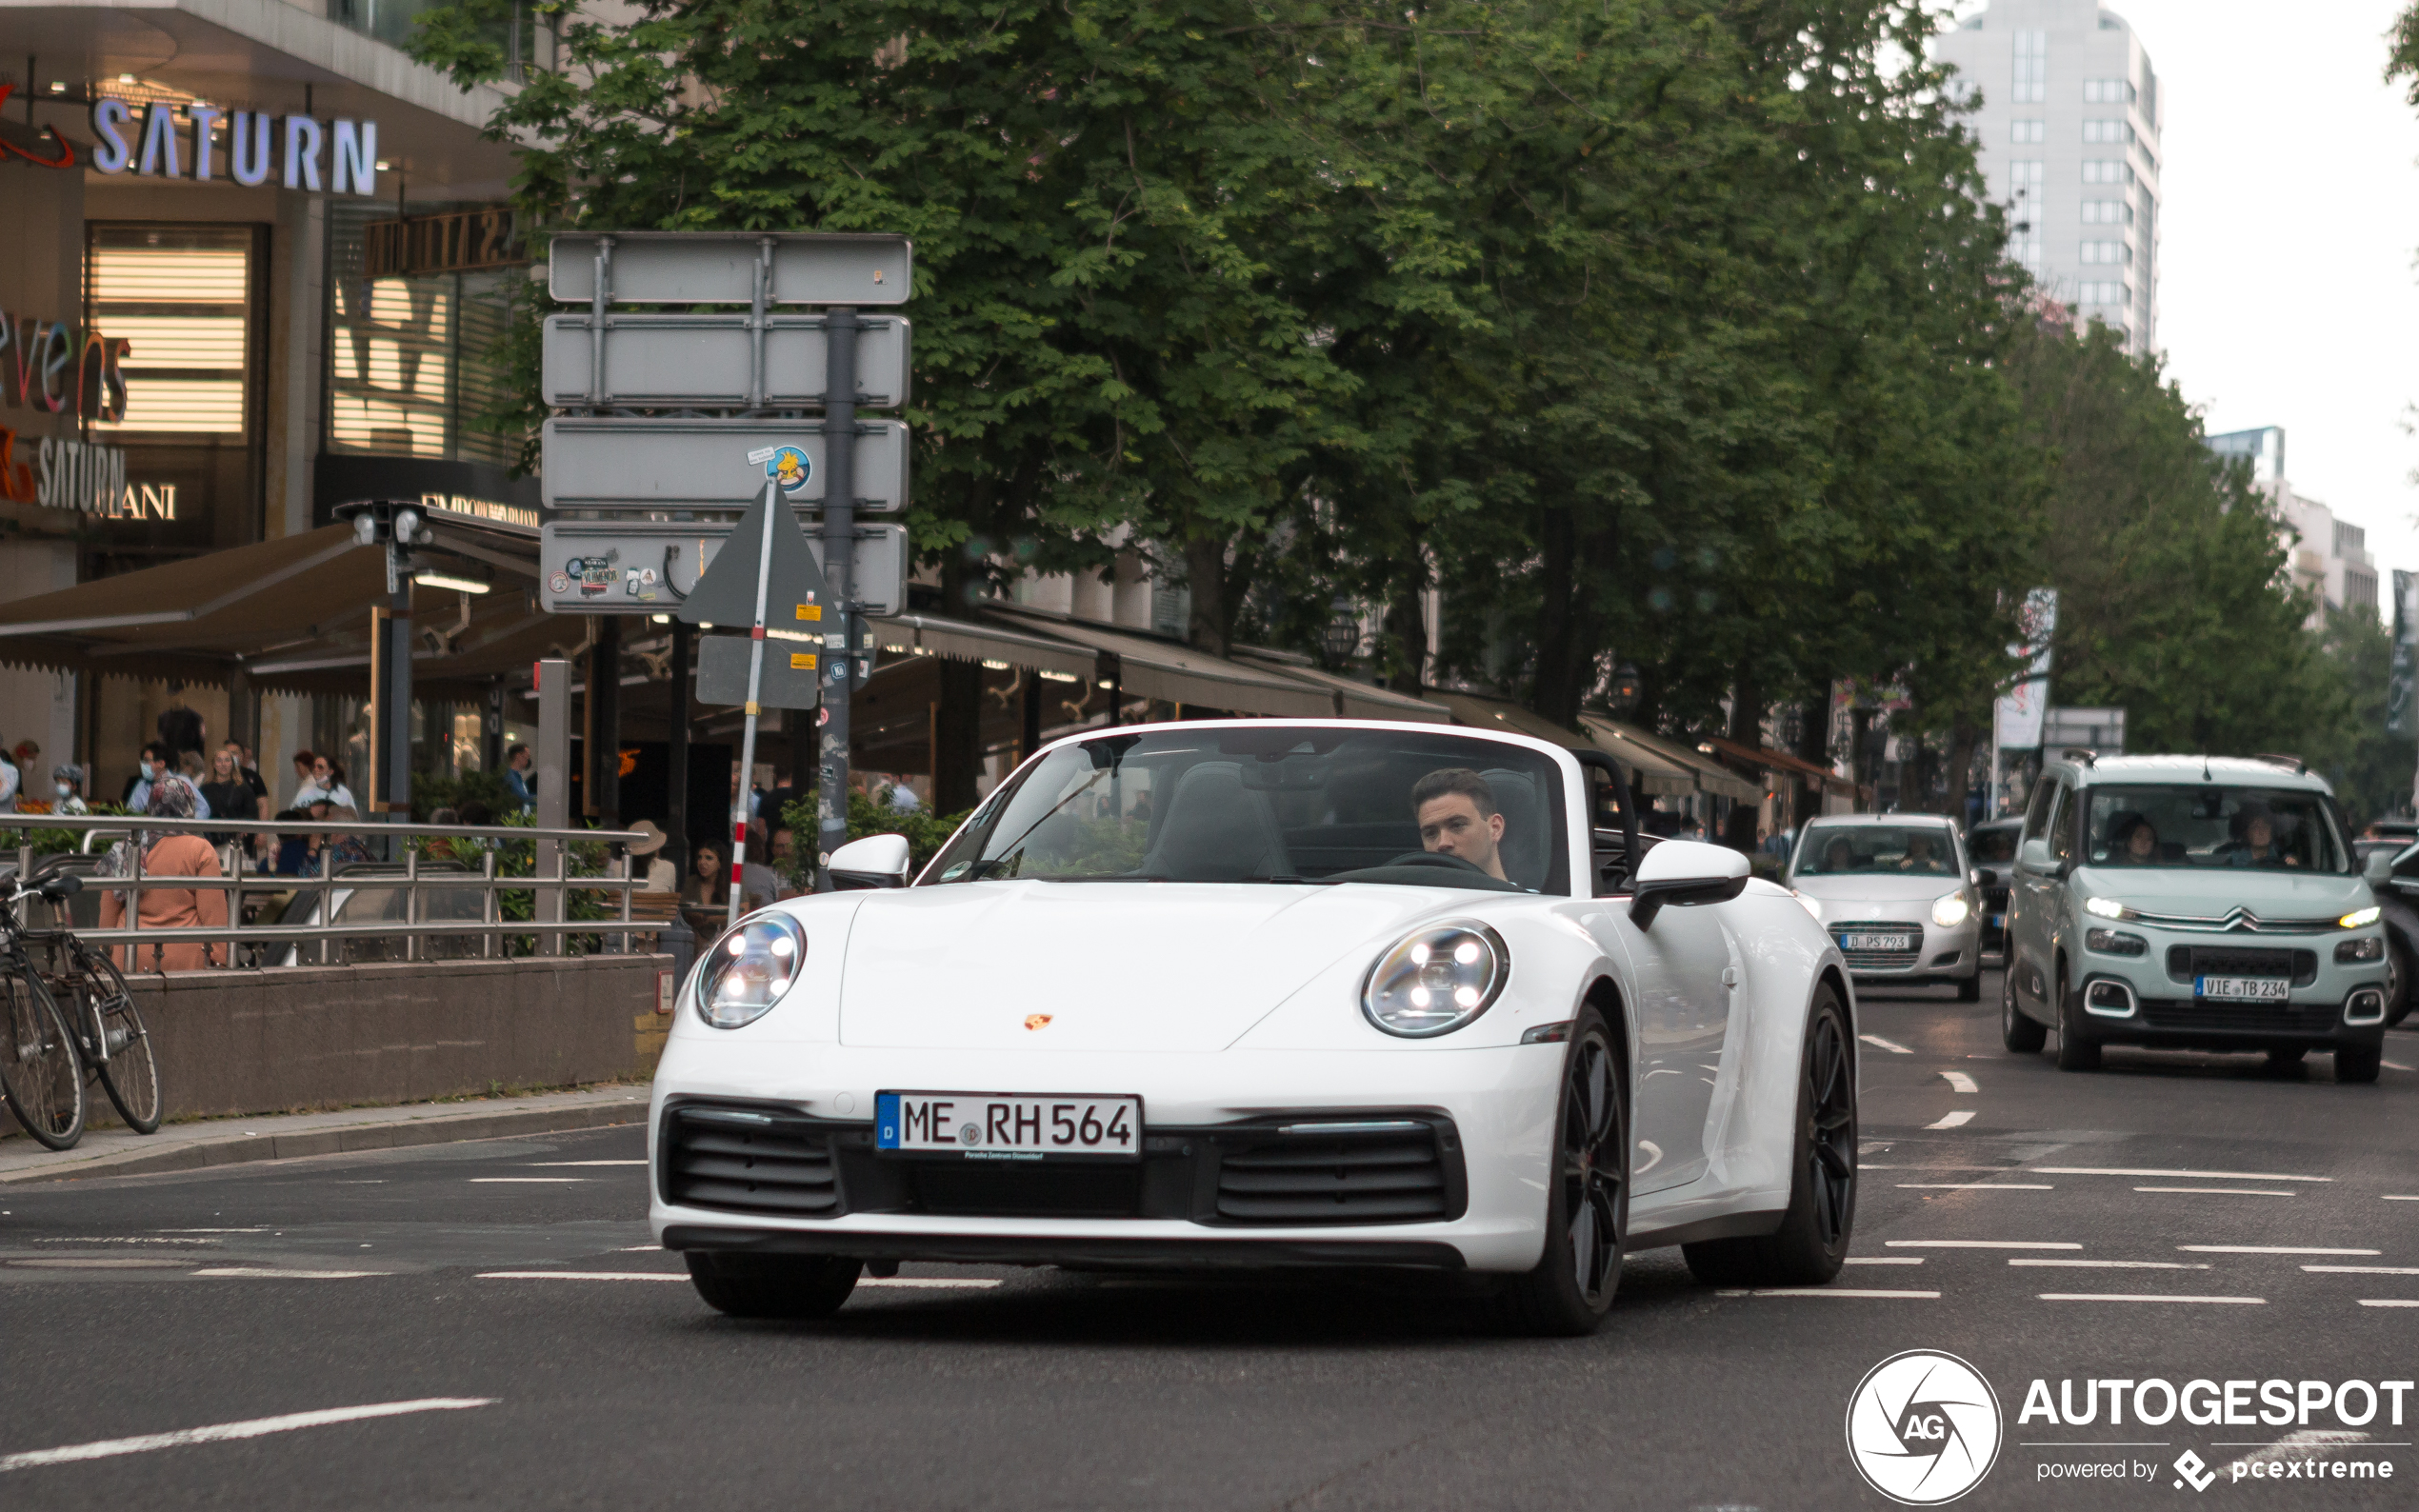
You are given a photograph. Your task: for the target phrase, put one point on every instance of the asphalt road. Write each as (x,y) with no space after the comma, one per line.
(511,1282)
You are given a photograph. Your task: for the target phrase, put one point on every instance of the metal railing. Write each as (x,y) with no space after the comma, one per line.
(551,887)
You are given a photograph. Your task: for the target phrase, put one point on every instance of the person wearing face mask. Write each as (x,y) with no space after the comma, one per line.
(69,782)
(153,765)
(327,780)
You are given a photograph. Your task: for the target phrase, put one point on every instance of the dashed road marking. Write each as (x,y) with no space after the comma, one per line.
(272,1273)
(1979,1243)
(2150,1295)
(526,1180)
(1829,1291)
(251,1428)
(932,1283)
(2113,1265)
(544,1164)
(1975,1186)
(2393,1065)
(2218,1191)
(2364,1270)
(582,1275)
(2389,1302)
(2198,1176)
(1880,1044)
(2267,1249)
(1959,1082)
(1958,1120)
(101,1263)
(1885,1259)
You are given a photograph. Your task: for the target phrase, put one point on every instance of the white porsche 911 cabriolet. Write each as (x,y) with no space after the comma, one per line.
(1269,993)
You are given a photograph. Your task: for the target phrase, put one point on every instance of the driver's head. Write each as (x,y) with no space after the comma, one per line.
(1839,855)
(1457,817)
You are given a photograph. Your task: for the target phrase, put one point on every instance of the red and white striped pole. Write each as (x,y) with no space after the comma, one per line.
(755,689)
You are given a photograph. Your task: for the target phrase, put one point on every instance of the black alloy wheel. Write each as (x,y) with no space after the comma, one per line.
(1588,1201)
(2021,1035)
(2397,980)
(1811,1243)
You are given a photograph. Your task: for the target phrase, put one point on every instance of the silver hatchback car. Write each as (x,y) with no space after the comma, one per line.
(1897,896)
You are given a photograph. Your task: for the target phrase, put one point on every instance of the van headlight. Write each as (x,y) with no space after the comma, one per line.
(1950,910)
(1437,980)
(750,971)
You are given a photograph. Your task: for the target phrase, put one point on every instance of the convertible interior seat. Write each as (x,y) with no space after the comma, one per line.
(1215,829)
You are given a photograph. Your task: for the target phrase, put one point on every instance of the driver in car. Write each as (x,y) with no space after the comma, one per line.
(2258,845)
(1457,817)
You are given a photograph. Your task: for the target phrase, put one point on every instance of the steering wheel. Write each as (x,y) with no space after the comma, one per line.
(1436,858)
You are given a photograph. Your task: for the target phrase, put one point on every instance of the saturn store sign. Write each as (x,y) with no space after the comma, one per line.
(251,147)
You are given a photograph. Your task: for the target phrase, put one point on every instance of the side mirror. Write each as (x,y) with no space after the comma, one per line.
(877,860)
(2379,868)
(2033,855)
(1685,874)
(1984,877)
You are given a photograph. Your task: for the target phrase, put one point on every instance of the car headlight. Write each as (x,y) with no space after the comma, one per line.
(2359,917)
(2115,942)
(2368,947)
(1808,905)
(1437,980)
(750,971)
(2107,908)
(1950,910)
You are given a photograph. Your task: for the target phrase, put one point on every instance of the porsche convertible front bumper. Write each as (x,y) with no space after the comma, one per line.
(1436,1160)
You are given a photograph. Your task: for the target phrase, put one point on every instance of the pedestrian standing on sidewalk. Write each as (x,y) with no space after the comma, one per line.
(69,782)
(167,855)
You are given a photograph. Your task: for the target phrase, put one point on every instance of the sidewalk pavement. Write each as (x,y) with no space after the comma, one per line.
(284,1136)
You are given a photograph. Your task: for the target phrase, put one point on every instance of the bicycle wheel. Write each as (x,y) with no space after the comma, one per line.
(40,1074)
(129,1072)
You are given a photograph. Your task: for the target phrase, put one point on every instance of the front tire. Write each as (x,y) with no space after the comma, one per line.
(788,1287)
(2398,970)
(129,1073)
(1811,1243)
(2021,1035)
(1588,1201)
(2357,1065)
(1969,990)
(2075,1053)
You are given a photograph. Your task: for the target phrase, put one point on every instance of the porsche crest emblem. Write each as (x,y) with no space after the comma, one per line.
(1037,1021)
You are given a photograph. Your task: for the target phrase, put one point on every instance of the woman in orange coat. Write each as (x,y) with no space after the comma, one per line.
(167,855)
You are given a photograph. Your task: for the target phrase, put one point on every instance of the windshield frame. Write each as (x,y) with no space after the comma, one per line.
(974,838)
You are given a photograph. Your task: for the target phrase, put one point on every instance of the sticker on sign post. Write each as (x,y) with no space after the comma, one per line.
(790,467)
(762,454)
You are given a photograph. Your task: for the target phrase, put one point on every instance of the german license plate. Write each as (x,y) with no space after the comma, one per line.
(1008,1126)
(1877,941)
(1998,921)
(2244,990)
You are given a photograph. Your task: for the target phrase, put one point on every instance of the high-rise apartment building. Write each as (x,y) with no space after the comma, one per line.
(2068,123)
(2328,557)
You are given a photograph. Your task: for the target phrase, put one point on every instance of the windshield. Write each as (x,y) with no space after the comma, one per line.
(1994,845)
(2182,826)
(1274,803)
(1892,850)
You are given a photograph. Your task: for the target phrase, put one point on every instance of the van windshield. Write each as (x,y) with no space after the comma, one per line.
(2286,830)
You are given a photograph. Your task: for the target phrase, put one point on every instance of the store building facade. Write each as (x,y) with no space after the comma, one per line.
(253,258)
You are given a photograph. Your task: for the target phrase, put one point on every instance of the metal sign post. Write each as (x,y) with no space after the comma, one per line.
(839,550)
(755,685)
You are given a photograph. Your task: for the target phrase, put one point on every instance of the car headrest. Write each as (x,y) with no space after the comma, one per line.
(1214,829)
(1526,845)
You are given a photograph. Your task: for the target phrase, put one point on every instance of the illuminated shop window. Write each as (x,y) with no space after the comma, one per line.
(182,297)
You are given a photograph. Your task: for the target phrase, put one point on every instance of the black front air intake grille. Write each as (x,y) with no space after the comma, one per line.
(747,1161)
(2229,1017)
(1036,1189)
(2184,962)
(1310,1176)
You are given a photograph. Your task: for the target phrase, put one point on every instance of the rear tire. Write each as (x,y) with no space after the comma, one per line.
(40,1075)
(2075,1053)
(1969,990)
(1588,1198)
(2357,1065)
(2021,1035)
(791,1287)
(1811,1243)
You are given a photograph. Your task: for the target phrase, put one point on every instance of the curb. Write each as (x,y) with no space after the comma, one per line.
(242,1149)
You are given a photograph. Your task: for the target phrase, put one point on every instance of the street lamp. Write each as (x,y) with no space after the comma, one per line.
(1342,636)
(1626,689)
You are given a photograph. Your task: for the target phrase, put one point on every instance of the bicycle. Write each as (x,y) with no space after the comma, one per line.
(41,1065)
(110,1033)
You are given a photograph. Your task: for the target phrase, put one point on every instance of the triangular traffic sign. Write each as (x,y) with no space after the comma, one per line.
(795,596)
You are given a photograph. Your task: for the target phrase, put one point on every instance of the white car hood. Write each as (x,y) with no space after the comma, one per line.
(1165,966)
(1896,897)
(2212,891)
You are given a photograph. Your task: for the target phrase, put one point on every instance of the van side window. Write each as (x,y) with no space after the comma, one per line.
(2062,825)
(2036,814)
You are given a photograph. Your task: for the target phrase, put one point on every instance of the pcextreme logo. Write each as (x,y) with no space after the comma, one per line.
(1923,1427)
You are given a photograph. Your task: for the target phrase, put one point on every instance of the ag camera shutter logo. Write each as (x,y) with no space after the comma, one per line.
(1923,1427)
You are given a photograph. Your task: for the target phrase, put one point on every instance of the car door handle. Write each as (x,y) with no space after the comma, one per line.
(1729,976)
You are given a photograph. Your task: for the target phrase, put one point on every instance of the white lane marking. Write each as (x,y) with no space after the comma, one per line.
(100,1262)
(251,1429)
(2364,1270)
(1978,1244)
(1975,1186)
(2389,1302)
(2394,1066)
(936,1283)
(125,1240)
(269,1273)
(582,1275)
(1827,1291)
(2149,1295)
(1880,1044)
(539,1166)
(526,1180)
(2217,1191)
(1955,1119)
(1885,1259)
(2200,1176)
(256,1228)
(635,1249)
(2266,1250)
(2393,1198)
(1959,1082)
(2308,1442)
(2116,1264)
